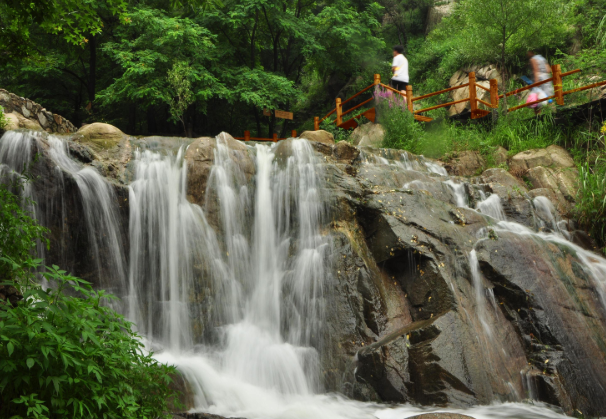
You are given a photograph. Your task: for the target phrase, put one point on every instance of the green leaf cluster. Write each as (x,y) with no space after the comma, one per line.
(63,351)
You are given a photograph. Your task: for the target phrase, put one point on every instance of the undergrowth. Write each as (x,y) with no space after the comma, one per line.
(63,351)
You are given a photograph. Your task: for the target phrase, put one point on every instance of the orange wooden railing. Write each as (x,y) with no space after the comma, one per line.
(275,138)
(473,100)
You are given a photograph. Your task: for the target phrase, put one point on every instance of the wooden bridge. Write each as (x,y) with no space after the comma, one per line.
(479,108)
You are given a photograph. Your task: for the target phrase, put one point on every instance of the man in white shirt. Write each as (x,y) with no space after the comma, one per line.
(399,81)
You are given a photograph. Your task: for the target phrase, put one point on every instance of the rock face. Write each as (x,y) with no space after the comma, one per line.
(36,116)
(368,135)
(466,163)
(437,13)
(550,168)
(319,136)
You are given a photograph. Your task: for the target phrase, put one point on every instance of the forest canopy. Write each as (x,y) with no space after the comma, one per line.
(116,60)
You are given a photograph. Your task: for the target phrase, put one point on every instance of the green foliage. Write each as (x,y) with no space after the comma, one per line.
(18,232)
(402,131)
(340,134)
(181,96)
(63,356)
(73,20)
(498,30)
(590,208)
(148,48)
(3,120)
(63,352)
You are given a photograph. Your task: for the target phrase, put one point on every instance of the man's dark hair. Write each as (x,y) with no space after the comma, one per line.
(399,49)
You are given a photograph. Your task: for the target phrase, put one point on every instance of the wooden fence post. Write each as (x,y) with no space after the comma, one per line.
(377,79)
(316,123)
(246,135)
(409,97)
(275,138)
(472,94)
(293,133)
(339,112)
(494,93)
(557,83)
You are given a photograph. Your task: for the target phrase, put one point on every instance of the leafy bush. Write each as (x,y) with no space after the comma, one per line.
(402,131)
(63,353)
(3,120)
(18,232)
(340,134)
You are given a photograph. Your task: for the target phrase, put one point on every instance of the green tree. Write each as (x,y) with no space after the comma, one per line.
(504,30)
(180,96)
(76,21)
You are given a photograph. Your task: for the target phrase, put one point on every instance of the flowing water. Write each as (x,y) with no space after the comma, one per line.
(234,292)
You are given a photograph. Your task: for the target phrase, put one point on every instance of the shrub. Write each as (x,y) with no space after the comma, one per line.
(402,131)
(63,353)
(3,120)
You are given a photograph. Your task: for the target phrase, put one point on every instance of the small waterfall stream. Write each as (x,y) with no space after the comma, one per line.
(234,292)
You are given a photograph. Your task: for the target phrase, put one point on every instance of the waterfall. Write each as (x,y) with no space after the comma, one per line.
(100,214)
(492,207)
(234,292)
(267,281)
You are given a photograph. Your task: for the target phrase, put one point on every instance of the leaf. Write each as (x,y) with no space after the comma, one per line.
(30,363)
(10,347)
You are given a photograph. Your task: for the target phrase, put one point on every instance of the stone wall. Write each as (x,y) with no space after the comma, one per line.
(31,111)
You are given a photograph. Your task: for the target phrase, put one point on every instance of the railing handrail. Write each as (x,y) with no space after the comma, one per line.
(556,78)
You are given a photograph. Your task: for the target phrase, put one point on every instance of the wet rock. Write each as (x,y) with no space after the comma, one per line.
(319,136)
(466,163)
(552,156)
(368,135)
(200,157)
(344,152)
(553,305)
(563,181)
(441,415)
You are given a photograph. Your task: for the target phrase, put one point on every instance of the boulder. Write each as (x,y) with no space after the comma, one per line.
(561,180)
(200,157)
(552,156)
(466,163)
(499,156)
(319,136)
(16,121)
(344,152)
(368,135)
(441,415)
(99,136)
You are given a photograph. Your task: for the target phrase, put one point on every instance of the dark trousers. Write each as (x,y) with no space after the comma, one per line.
(398,85)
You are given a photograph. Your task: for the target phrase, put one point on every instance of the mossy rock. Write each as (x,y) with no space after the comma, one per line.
(99,136)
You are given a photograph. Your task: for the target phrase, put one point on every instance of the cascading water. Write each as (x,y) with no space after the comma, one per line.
(234,293)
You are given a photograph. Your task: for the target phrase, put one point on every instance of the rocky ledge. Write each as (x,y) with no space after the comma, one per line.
(24,113)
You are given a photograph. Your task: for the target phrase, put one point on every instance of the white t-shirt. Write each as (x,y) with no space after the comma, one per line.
(401,64)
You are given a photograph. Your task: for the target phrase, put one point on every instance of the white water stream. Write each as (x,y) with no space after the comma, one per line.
(234,293)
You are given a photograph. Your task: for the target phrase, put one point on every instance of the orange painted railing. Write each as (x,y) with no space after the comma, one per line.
(473,99)
(275,138)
